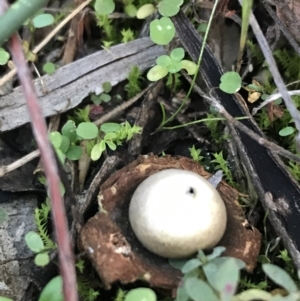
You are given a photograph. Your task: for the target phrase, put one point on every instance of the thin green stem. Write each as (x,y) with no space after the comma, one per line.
(197,70)
(201,120)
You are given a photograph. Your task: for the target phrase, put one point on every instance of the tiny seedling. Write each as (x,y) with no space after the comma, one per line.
(162,31)
(64,143)
(195,154)
(36,245)
(171,64)
(111,135)
(103,97)
(222,164)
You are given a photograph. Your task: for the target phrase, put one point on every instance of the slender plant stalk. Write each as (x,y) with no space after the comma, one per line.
(197,69)
(246,10)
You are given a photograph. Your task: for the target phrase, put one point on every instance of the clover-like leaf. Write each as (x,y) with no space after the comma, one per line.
(104,7)
(87,130)
(230,82)
(177,54)
(145,11)
(162,31)
(74,152)
(65,144)
(189,66)
(42,20)
(106,86)
(141,293)
(42,259)
(97,150)
(156,73)
(174,67)
(130,10)
(69,130)
(34,242)
(169,8)
(56,139)
(49,68)
(163,60)
(286,131)
(110,127)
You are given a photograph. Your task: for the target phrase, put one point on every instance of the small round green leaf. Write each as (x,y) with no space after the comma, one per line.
(42,20)
(53,290)
(111,145)
(189,66)
(140,294)
(34,242)
(145,11)
(105,97)
(3,215)
(4,56)
(65,144)
(74,152)
(110,136)
(177,54)
(156,73)
(130,10)
(162,31)
(163,60)
(288,130)
(96,151)
(106,87)
(69,130)
(42,259)
(169,8)
(104,7)
(174,67)
(56,139)
(49,68)
(230,82)
(110,127)
(87,130)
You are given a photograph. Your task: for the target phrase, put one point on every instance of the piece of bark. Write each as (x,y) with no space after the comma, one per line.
(116,253)
(69,85)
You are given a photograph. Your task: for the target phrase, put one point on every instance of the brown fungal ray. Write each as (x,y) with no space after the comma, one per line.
(116,253)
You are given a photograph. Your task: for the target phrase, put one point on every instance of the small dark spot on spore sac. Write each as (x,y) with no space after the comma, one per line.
(191,190)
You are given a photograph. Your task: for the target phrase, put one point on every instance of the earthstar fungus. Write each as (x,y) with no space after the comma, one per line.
(115,252)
